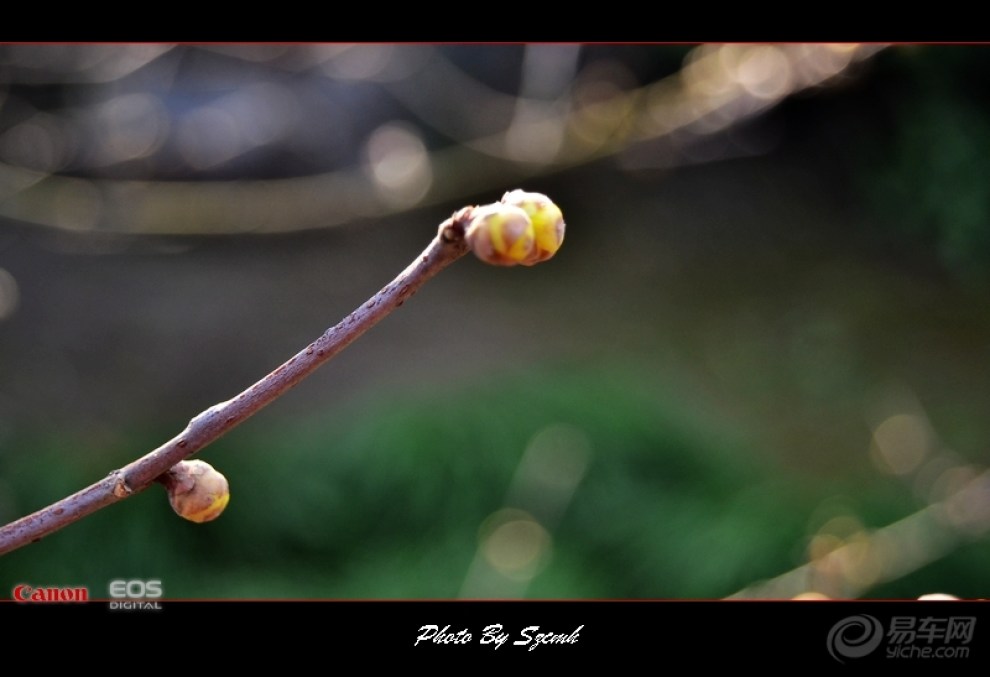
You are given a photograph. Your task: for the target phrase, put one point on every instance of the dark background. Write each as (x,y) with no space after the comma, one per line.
(762,348)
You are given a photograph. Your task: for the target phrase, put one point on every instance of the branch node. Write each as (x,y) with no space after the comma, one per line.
(120,487)
(453,229)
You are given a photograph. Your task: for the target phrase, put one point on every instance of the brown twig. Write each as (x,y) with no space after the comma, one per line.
(447,247)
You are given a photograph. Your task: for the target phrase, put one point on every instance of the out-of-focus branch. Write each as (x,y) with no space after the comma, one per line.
(449,245)
(888,553)
(718,87)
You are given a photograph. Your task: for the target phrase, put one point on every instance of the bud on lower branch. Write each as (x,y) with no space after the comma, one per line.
(196,491)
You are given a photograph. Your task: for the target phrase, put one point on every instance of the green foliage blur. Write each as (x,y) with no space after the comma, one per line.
(387,501)
(926,175)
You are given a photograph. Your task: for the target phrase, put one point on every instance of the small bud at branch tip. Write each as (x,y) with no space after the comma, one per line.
(523,228)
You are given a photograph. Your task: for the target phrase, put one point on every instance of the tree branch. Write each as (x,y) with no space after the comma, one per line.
(449,245)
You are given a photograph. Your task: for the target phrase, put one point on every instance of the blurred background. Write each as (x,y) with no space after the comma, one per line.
(757,367)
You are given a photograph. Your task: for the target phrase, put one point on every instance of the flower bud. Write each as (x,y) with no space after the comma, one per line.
(810,596)
(938,597)
(196,491)
(500,234)
(547,219)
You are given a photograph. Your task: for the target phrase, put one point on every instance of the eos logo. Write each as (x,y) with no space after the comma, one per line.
(137,592)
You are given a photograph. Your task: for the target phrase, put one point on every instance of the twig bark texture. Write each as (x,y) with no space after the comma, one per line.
(446,247)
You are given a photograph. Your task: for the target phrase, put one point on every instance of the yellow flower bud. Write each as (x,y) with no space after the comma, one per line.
(547,219)
(501,234)
(196,491)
